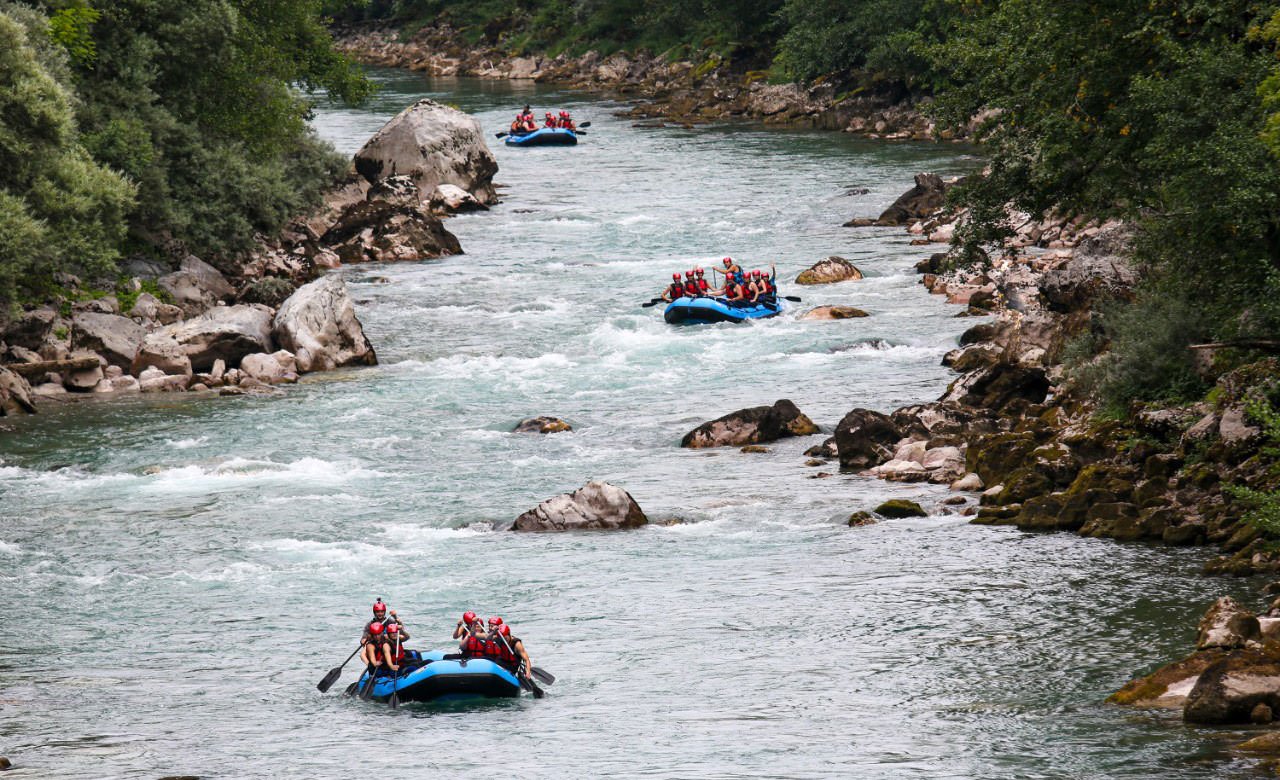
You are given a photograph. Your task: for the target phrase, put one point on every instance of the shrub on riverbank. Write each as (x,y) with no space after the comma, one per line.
(182,123)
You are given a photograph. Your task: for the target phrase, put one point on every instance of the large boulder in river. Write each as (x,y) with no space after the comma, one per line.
(226,333)
(865,438)
(318,325)
(827,313)
(751,426)
(919,202)
(542,424)
(15,394)
(114,337)
(597,505)
(1230,688)
(434,144)
(390,224)
(833,269)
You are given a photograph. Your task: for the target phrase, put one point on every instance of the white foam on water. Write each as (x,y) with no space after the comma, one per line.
(408,534)
(236,572)
(474,366)
(636,219)
(9,548)
(306,550)
(186,444)
(238,472)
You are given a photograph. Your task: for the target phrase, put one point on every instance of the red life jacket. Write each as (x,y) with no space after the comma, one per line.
(475,647)
(675,291)
(702,285)
(397,653)
(494,650)
(690,289)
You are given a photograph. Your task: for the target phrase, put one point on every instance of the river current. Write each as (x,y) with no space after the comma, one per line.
(177,573)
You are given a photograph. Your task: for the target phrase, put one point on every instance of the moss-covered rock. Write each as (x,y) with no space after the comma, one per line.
(861,518)
(994,457)
(897,508)
(1169,685)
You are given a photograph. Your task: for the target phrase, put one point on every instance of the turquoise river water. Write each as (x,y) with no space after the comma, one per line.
(177,573)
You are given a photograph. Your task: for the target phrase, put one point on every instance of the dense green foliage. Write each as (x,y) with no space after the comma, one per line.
(1153,111)
(182,122)
(743,29)
(59,210)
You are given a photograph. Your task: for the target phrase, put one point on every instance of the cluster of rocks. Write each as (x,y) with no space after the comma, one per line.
(264,318)
(244,346)
(1011,426)
(680,91)
(1232,677)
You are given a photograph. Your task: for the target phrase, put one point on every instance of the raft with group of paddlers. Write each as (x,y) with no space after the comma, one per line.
(744,295)
(556,130)
(490,663)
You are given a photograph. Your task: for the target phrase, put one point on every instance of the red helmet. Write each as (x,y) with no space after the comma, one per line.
(756,274)
(375,628)
(698,272)
(728,261)
(688,274)
(495,621)
(505,631)
(564,113)
(549,114)
(676,277)
(378,606)
(468,617)
(393,628)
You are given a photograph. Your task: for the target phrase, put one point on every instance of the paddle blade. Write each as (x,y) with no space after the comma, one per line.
(792,298)
(650,303)
(585,124)
(395,700)
(330,679)
(367,693)
(503,134)
(545,677)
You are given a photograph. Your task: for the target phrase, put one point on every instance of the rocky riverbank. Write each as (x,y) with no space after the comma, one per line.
(244,324)
(667,90)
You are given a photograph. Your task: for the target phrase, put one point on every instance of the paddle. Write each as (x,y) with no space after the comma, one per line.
(394,701)
(367,693)
(542,674)
(653,302)
(585,124)
(791,298)
(503,134)
(335,672)
(525,682)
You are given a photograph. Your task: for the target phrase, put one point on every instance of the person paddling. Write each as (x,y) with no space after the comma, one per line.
(372,654)
(566,122)
(699,278)
(513,652)
(550,121)
(731,271)
(464,625)
(690,286)
(674,290)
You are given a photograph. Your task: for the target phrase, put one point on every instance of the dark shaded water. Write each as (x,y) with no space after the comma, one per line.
(199,564)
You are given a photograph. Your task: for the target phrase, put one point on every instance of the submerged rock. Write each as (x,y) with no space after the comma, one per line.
(542,425)
(833,313)
(318,325)
(896,508)
(858,519)
(833,269)
(595,506)
(434,144)
(751,426)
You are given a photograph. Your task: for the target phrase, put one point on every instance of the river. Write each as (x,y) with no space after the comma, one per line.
(178,573)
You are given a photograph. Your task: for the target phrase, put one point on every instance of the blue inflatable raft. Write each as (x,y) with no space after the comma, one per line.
(700,311)
(436,677)
(544,136)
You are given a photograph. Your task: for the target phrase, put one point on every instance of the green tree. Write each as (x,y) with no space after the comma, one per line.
(1143,110)
(59,210)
